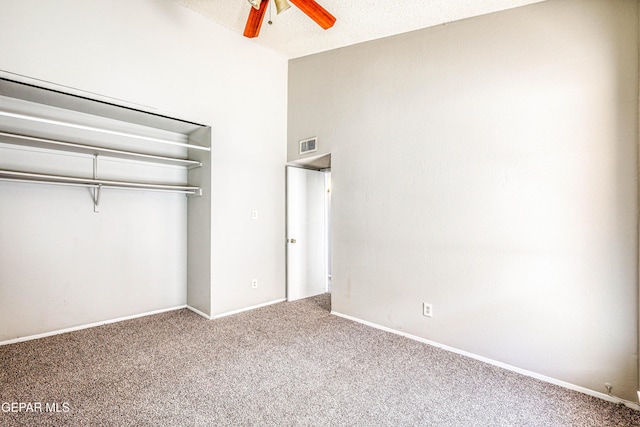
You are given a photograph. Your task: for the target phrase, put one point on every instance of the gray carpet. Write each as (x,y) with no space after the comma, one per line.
(285,364)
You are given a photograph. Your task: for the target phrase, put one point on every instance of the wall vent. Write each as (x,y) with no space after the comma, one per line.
(309,145)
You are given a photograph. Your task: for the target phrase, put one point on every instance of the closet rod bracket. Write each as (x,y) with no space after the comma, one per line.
(96,190)
(196,192)
(96,197)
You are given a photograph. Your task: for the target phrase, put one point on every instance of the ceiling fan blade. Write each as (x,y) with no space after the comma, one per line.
(254,22)
(315,12)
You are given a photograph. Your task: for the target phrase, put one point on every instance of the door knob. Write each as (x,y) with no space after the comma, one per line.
(292,240)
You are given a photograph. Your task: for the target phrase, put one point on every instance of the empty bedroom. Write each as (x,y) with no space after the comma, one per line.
(300,212)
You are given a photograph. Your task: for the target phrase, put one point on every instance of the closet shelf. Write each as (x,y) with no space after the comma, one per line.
(31,141)
(100,130)
(38,178)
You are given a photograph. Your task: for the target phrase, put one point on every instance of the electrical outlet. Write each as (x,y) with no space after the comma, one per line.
(254,283)
(254,214)
(427,309)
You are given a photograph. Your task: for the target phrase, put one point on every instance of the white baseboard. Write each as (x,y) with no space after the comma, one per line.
(196,311)
(90,325)
(253,307)
(134,316)
(508,367)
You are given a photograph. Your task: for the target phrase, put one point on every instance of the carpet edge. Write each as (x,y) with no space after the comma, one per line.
(89,325)
(502,365)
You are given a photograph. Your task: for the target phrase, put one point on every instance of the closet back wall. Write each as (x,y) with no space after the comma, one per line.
(61,265)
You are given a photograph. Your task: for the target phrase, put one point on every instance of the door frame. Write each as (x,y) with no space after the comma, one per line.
(309,164)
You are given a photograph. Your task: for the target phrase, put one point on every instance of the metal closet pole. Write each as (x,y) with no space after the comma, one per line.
(38,178)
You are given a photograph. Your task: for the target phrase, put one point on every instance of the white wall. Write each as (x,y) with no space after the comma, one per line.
(489,167)
(167,58)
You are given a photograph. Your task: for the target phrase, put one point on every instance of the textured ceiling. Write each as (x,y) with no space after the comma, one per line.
(293,34)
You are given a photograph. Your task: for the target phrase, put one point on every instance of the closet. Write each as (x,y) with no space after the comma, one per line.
(105,210)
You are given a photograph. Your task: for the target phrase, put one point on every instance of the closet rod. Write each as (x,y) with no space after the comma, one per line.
(7,175)
(95,129)
(69,184)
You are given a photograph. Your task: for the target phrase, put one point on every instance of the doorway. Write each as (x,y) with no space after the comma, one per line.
(308,231)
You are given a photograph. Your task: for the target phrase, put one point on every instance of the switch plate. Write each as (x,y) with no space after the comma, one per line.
(254,283)
(427,309)
(254,214)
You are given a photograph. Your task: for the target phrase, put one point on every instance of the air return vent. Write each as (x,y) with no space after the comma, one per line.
(309,145)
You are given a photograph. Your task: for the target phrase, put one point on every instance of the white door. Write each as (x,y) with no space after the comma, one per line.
(306,233)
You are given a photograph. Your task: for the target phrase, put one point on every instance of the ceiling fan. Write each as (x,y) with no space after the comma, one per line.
(312,9)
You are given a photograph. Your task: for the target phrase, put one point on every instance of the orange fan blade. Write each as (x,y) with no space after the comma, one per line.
(315,12)
(254,22)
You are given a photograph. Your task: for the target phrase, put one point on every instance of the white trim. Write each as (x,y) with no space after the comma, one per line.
(508,367)
(240,310)
(201,313)
(89,325)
